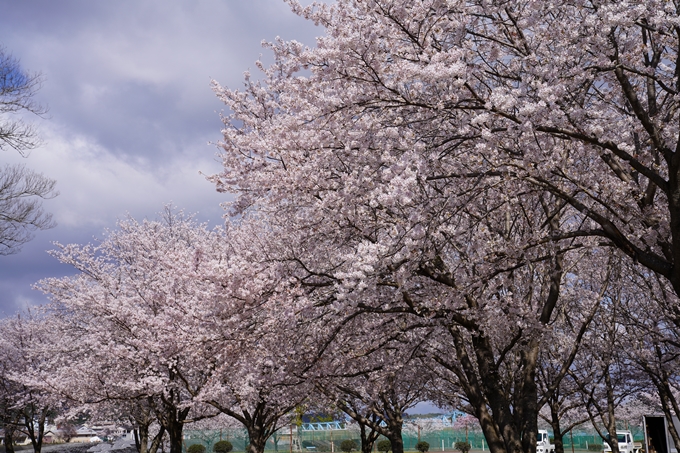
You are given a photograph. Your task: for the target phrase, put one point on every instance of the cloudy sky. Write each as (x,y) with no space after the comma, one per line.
(131,113)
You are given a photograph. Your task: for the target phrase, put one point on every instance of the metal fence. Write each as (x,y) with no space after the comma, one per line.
(309,441)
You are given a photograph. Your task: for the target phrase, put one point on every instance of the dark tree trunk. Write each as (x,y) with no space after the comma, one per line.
(499,423)
(141,438)
(368,438)
(174,428)
(557,429)
(397,443)
(142,417)
(157,441)
(9,439)
(171,417)
(258,439)
(507,413)
(36,435)
(141,434)
(526,401)
(260,423)
(611,425)
(395,435)
(369,423)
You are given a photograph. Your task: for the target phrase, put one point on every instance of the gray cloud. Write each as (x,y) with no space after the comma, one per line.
(131,111)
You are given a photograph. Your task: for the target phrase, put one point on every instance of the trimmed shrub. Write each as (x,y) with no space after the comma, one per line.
(196,448)
(384,445)
(223,446)
(595,447)
(422,446)
(348,445)
(462,447)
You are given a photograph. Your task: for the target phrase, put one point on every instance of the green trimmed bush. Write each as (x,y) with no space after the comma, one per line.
(384,445)
(348,445)
(223,446)
(595,447)
(196,448)
(422,446)
(462,447)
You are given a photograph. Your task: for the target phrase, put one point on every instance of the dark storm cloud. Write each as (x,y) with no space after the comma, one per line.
(130,109)
(132,74)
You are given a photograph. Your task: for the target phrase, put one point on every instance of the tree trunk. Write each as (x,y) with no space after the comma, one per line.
(397,443)
(9,439)
(499,424)
(613,440)
(558,440)
(171,419)
(142,416)
(367,438)
(141,438)
(141,434)
(157,441)
(557,431)
(30,425)
(395,425)
(508,417)
(388,412)
(258,439)
(174,429)
(526,399)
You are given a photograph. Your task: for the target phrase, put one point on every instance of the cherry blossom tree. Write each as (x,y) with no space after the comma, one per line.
(89,379)
(606,378)
(576,98)
(444,280)
(563,409)
(25,342)
(259,387)
(148,433)
(137,308)
(9,412)
(468,423)
(400,190)
(184,322)
(649,311)
(376,399)
(560,397)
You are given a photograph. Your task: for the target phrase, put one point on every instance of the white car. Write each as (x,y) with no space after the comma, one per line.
(543,444)
(626,444)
